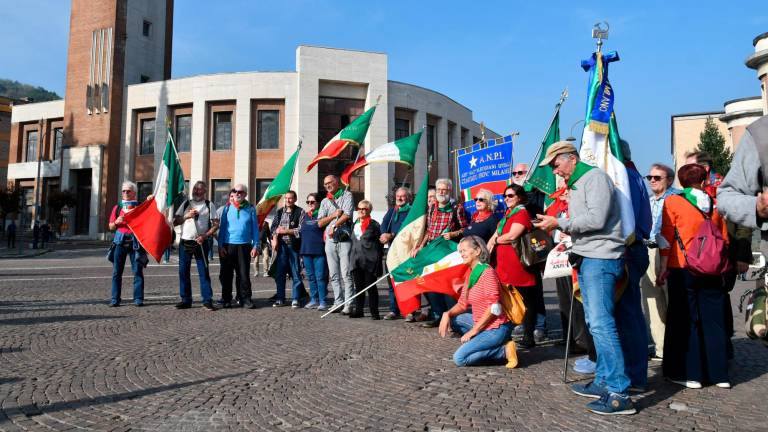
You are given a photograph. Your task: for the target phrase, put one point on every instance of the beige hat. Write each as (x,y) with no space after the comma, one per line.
(555,149)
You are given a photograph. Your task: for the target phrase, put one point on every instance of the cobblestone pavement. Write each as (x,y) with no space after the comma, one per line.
(68,362)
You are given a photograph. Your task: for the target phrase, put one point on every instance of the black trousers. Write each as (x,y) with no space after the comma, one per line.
(580,336)
(237,263)
(695,337)
(362,279)
(530,300)
(11,241)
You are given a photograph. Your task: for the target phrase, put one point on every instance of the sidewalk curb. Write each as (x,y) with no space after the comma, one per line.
(25,254)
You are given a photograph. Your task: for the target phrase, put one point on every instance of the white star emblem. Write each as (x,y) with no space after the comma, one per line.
(473,162)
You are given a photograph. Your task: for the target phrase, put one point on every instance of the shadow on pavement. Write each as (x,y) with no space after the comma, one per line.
(55,319)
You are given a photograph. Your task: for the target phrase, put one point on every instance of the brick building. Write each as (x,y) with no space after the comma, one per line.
(229,128)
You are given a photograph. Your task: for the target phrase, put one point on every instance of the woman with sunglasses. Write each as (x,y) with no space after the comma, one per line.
(484,221)
(313,254)
(515,223)
(365,259)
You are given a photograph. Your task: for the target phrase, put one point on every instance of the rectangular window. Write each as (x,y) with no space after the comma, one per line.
(402,128)
(146,29)
(222,130)
(261,187)
(147,138)
(58,142)
(184,133)
(32,141)
(268,130)
(431,153)
(145,189)
(220,188)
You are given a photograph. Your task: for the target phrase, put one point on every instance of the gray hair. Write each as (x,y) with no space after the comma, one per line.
(489,198)
(477,243)
(407,192)
(130,185)
(200,183)
(667,170)
(567,155)
(444,182)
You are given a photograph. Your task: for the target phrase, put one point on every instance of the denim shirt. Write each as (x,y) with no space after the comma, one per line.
(657,205)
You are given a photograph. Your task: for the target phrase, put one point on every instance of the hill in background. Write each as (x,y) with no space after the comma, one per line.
(16,90)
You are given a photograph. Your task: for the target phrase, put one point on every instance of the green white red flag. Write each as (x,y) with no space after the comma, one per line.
(400,151)
(437,268)
(279,186)
(148,220)
(353,134)
(412,229)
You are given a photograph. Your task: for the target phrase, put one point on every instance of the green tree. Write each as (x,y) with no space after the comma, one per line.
(713,142)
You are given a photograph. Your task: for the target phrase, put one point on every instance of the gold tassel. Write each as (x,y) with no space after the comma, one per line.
(598,127)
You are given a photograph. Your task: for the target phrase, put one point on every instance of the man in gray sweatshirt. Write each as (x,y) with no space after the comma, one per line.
(743,196)
(594,224)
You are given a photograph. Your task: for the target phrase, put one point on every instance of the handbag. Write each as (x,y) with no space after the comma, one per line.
(512,303)
(533,247)
(558,265)
(341,233)
(111,253)
(756,315)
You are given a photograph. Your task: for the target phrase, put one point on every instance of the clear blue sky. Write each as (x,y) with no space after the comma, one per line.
(507,61)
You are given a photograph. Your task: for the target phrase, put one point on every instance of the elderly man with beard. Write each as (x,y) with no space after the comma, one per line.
(199,221)
(335,216)
(238,244)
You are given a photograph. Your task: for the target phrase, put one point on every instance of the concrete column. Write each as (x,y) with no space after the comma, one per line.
(242,143)
(419,120)
(199,153)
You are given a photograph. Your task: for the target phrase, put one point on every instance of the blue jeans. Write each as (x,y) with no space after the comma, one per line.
(597,281)
(123,250)
(185,283)
(439,303)
(487,347)
(314,267)
(287,261)
(630,320)
(167,254)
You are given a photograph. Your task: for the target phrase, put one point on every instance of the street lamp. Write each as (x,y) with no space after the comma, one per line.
(570,133)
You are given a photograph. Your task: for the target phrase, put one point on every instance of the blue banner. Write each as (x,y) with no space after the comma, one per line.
(488,167)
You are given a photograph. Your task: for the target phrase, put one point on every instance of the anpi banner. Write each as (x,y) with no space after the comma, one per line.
(485,167)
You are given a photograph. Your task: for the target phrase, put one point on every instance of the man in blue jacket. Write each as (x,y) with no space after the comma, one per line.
(390,226)
(238,245)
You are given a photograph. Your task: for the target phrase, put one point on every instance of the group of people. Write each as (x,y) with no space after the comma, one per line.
(625,285)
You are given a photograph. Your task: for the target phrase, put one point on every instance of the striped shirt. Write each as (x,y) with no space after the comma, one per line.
(482,296)
(345,203)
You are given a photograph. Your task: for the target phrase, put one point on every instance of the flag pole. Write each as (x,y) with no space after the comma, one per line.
(563,97)
(335,308)
(360,146)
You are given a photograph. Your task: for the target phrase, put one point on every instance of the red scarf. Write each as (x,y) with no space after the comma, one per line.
(364,222)
(481,215)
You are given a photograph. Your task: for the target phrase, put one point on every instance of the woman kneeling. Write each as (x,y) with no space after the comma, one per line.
(485,331)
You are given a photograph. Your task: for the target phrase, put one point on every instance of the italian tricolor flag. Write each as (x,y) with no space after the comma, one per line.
(279,186)
(436,268)
(353,134)
(401,151)
(148,221)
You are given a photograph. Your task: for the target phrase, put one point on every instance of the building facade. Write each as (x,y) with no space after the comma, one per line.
(228,128)
(737,114)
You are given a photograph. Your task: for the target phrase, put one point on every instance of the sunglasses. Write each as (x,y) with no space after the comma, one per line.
(239,192)
(480,199)
(127,191)
(510,195)
(311,202)
(363,208)
(654,178)
(519,172)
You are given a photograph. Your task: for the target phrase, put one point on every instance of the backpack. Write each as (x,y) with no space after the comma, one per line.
(185,206)
(708,254)
(756,316)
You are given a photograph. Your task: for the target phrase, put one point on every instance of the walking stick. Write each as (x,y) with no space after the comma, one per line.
(351,298)
(568,338)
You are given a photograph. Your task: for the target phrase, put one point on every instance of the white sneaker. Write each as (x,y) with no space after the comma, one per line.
(689,384)
(724,385)
(295,304)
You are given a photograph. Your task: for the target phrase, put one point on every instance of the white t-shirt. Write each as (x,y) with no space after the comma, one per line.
(192,228)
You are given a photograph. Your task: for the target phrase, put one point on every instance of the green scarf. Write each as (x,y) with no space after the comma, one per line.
(314,213)
(698,198)
(337,194)
(508,214)
(446,209)
(474,276)
(580,170)
(241,206)
(404,208)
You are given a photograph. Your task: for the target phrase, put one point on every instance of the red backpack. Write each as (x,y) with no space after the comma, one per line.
(708,253)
